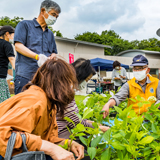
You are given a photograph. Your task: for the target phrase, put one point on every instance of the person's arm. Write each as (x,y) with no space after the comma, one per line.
(10,53)
(158,93)
(116,99)
(70,111)
(20,40)
(75,147)
(55,151)
(41,58)
(113,75)
(12,61)
(20,48)
(124,74)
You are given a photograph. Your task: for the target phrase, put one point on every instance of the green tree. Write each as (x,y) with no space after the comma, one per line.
(13,22)
(58,33)
(106,38)
(10,22)
(117,43)
(89,37)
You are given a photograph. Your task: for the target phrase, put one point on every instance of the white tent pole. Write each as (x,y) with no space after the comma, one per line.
(99,79)
(99,71)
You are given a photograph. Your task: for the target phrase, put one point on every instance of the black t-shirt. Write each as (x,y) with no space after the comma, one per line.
(6,50)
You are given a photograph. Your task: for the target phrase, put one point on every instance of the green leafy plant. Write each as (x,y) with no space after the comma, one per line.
(131,137)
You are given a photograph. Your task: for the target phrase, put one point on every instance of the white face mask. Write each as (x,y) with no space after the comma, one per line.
(82,85)
(50,20)
(117,68)
(140,75)
(11,41)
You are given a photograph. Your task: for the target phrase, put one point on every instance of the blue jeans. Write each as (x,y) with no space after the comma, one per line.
(19,83)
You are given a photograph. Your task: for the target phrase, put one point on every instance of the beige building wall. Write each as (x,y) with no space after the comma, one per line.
(79,50)
(90,52)
(152,56)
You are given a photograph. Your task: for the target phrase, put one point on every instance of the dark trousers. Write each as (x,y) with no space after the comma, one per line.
(19,83)
(49,158)
(116,88)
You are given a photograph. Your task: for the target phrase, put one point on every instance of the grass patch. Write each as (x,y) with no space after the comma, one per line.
(79,98)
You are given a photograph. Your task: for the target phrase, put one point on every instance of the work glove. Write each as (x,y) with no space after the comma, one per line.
(42,59)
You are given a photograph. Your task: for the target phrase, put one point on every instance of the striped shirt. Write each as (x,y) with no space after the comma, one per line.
(69,112)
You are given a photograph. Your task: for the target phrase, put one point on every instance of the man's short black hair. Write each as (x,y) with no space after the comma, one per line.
(83,69)
(116,63)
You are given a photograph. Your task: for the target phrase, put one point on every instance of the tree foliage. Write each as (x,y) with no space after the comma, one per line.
(57,33)
(10,22)
(117,43)
(13,22)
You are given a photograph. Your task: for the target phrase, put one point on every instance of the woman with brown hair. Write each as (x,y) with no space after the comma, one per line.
(33,112)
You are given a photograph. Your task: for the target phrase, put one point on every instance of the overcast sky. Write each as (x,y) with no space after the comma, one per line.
(131,19)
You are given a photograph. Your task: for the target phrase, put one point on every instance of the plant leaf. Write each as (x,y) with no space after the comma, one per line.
(95,125)
(91,152)
(132,138)
(80,134)
(80,127)
(132,99)
(106,154)
(107,135)
(117,146)
(83,140)
(146,140)
(88,113)
(69,120)
(95,141)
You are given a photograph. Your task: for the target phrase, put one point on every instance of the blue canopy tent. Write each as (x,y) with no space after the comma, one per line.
(104,65)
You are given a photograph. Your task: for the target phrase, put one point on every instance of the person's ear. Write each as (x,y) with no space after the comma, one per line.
(148,70)
(7,34)
(43,11)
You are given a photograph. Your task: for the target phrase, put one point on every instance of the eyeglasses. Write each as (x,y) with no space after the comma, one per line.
(139,68)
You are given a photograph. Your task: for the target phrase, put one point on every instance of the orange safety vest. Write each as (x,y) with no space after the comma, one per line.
(135,89)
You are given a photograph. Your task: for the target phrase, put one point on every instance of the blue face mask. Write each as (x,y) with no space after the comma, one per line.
(50,20)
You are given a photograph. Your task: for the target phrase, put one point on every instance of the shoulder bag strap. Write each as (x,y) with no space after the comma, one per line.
(10,146)
(24,147)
